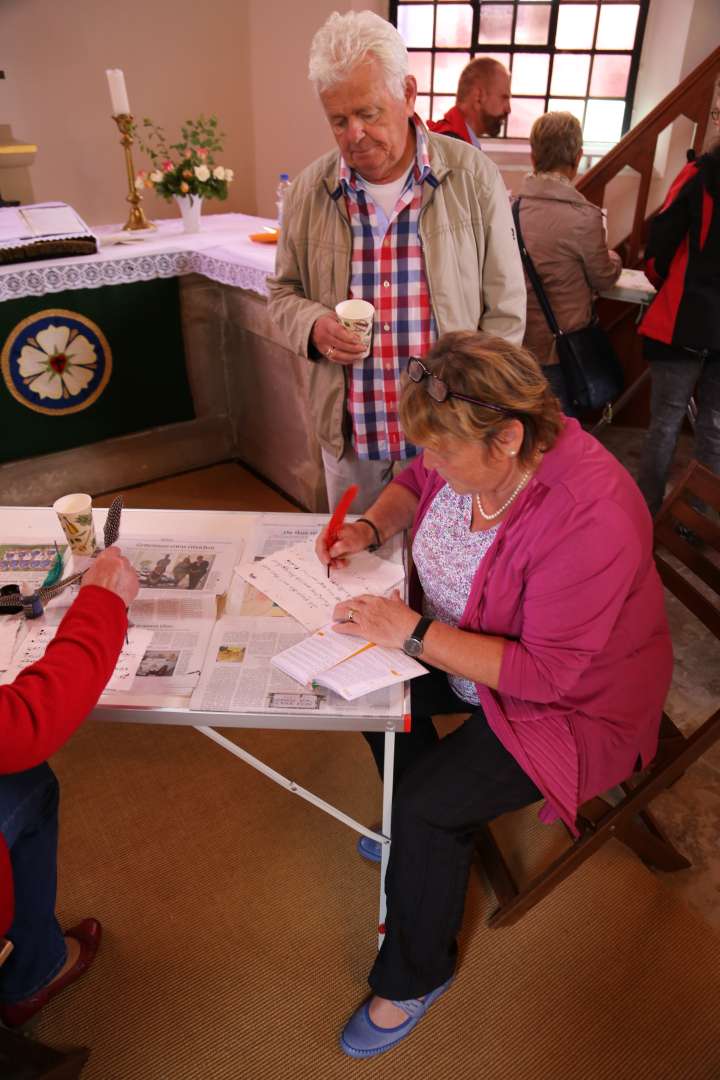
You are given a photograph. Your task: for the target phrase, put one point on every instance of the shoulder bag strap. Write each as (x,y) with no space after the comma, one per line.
(533,274)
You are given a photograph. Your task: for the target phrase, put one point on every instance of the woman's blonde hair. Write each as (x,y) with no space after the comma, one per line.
(490,369)
(555,141)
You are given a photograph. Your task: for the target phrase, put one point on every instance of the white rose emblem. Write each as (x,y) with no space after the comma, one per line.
(202,172)
(59,364)
(219,172)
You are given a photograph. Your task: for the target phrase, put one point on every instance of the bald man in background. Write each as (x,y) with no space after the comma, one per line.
(482,104)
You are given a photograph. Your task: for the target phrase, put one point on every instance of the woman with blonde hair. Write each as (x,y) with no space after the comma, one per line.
(565,238)
(538,608)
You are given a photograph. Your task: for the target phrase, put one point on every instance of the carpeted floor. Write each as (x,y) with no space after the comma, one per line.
(240,927)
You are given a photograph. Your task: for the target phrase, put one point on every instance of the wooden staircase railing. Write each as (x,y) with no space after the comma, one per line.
(693,99)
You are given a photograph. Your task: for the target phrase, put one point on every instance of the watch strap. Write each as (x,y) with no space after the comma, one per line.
(422,628)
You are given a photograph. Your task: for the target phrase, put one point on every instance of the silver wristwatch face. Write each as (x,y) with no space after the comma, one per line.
(412,646)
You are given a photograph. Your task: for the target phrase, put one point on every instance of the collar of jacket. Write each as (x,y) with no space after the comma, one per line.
(439,168)
(535,188)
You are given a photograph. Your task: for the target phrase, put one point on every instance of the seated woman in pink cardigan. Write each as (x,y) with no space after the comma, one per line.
(538,609)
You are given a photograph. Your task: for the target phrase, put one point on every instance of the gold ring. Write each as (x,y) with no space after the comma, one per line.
(351,615)
(329,351)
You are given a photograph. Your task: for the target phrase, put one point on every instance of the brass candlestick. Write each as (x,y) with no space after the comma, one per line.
(136,219)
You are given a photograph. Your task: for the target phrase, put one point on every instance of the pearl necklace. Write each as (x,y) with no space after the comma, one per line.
(516,492)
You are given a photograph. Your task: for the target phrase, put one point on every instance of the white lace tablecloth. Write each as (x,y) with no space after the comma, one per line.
(221,251)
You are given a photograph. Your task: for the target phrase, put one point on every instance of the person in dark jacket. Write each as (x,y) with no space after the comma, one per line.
(682,325)
(482,105)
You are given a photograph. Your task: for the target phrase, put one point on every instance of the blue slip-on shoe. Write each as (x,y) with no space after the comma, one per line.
(360,1038)
(370,849)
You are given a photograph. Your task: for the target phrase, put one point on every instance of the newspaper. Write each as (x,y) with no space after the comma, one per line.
(183,566)
(180,628)
(270,534)
(27,565)
(239,677)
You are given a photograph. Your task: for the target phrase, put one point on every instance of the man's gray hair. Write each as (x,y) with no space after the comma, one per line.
(344,41)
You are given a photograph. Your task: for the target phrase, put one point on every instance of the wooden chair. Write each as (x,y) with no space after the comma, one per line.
(687,554)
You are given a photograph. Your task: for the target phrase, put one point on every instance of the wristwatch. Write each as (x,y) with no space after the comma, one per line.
(413,645)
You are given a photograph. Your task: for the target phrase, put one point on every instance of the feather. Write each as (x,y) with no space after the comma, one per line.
(55,572)
(112,522)
(337,520)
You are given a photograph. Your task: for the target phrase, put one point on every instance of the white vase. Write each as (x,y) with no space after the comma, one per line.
(190,208)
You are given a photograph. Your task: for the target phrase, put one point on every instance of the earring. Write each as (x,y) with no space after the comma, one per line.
(513,453)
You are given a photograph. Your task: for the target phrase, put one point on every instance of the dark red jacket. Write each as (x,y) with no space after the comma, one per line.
(41,709)
(452,124)
(683,260)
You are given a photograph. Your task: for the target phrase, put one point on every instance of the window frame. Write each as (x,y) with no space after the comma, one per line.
(477,49)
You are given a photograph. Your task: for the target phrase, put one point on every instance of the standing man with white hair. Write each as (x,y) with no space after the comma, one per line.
(415,224)
(482,105)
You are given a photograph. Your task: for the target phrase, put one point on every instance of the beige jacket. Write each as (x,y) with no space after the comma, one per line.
(472,263)
(564,235)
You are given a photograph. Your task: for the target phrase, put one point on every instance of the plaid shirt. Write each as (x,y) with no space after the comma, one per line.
(388,270)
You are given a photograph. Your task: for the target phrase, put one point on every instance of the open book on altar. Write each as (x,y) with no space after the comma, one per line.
(349,666)
(43,231)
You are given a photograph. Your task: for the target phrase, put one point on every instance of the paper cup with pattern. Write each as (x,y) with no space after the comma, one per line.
(357,316)
(75,515)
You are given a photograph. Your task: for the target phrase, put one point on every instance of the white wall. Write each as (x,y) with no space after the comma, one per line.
(180,59)
(291,129)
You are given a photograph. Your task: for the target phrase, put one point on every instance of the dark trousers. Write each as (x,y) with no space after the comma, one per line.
(675,374)
(446,789)
(29,824)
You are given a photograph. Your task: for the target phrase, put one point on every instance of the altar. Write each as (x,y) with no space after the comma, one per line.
(187,368)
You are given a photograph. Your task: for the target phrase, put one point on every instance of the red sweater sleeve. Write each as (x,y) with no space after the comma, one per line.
(41,709)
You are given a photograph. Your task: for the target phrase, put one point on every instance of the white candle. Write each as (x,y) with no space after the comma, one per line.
(118,93)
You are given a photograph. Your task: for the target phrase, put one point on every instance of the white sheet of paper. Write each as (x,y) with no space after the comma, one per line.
(34,645)
(9,625)
(296,580)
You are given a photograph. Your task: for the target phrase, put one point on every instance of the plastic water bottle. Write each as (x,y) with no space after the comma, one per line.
(280,195)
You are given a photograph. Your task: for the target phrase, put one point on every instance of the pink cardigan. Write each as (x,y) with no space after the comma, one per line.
(570,582)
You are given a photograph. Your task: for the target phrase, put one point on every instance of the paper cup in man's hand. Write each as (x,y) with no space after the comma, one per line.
(75,515)
(357,316)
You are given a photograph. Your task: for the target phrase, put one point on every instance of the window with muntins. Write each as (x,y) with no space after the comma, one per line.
(578,56)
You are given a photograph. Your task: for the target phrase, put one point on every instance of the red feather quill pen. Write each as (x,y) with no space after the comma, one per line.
(337,520)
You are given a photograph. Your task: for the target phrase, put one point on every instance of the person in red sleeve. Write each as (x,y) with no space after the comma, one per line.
(482,105)
(681,328)
(39,711)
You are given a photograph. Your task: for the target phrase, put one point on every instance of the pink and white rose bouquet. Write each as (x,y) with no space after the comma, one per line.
(188,166)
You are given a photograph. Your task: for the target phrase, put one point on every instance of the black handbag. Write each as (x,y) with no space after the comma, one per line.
(593,373)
